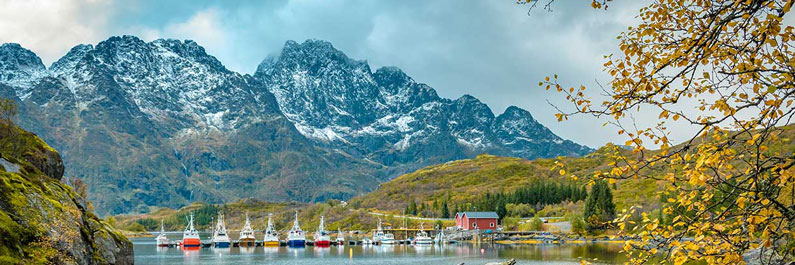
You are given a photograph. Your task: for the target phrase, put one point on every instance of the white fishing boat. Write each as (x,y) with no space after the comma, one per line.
(321,237)
(296,237)
(340,237)
(271,236)
(247,238)
(162,240)
(220,237)
(190,238)
(388,239)
(379,233)
(422,237)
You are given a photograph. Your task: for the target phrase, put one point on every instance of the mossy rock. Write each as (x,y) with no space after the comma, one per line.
(44,221)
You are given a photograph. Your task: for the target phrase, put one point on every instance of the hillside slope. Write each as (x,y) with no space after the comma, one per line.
(468,179)
(43,221)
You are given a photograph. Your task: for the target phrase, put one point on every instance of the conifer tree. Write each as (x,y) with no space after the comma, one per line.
(599,206)
(445,211)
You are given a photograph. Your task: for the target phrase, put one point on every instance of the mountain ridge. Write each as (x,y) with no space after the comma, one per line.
(163,123)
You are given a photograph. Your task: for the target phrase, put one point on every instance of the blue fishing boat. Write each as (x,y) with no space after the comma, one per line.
(296,237)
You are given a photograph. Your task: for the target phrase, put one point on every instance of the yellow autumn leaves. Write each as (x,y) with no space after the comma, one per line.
(726,69)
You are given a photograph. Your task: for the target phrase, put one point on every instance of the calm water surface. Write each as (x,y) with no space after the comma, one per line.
(146,252)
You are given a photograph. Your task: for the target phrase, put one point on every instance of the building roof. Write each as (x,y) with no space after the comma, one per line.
(477,215)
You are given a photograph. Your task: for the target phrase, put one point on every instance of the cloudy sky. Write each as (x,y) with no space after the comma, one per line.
(492,49)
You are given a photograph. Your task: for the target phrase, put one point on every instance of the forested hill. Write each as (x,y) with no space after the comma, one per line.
(465,184)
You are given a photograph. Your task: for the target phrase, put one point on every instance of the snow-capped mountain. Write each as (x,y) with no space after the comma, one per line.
(163,123)
(382,114)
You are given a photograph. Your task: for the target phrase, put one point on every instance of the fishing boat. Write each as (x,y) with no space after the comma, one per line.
(367,241)
(162,240)
(340,237)
(271,236)
(247,235)
(190,238)
(220,238)
(295,237)
(422,237)
(379,233)
(321,237)
(388,239)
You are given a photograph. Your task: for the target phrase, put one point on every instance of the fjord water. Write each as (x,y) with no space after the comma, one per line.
(146,252)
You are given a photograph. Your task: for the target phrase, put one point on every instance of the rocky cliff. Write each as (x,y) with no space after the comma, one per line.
(42,220)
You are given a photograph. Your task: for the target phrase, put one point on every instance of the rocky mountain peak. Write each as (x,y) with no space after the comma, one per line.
(515,112)
(190,49)
(392,76)
(15,57)
(317,57)
(20,68)
(70,60)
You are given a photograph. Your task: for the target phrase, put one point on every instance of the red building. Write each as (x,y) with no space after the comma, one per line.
(476,220)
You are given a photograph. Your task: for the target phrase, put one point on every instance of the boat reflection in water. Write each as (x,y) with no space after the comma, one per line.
(297,252)
(162,249)
(322,251)
(423,249)
(247,250)
(221,251)
(190,254)
(272,251)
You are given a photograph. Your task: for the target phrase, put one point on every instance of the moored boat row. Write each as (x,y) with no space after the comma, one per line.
(296,237)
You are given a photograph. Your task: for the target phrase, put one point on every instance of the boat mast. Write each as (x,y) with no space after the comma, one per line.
(295,223)
(270,224)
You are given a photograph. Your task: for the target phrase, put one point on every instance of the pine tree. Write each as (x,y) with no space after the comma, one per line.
(501,210)
(412,209)
(445,211)
(599,206)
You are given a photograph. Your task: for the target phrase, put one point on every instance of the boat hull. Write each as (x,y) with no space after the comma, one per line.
(271,243)
(191,242)
(387,242)
(247,242)
(221,244)
(296,243)
(323,243)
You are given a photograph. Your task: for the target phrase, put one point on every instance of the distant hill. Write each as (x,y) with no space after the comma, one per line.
(469,179)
